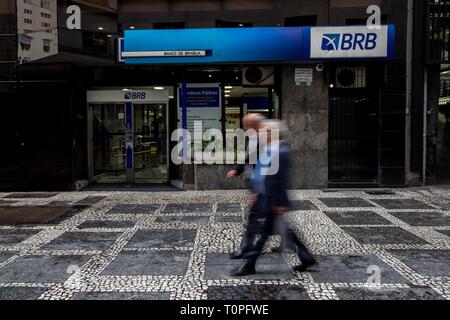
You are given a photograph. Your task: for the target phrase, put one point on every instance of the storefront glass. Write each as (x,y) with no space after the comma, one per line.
(128,139)
(443,128)
(150,143)
(108,142)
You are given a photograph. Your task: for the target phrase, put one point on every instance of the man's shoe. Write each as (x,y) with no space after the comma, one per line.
(277,250)
(243,271)
(304,266)
(237,255)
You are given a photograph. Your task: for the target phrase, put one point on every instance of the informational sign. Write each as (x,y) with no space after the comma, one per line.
(349,42)
(203,103)
(167,53)
(303,76)
(203,97)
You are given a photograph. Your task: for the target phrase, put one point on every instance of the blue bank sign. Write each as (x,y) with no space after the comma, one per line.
(231,45)
(351,42)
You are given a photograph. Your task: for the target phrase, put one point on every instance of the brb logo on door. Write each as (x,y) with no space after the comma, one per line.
(349,42)
(135,95)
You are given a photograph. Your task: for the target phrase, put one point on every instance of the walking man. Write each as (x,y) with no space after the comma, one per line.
(269,195)
(251,121)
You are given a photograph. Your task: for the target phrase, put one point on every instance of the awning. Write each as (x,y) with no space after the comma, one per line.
(239,45)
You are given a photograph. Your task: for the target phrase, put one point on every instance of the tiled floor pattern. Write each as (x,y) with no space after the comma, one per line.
(393,244)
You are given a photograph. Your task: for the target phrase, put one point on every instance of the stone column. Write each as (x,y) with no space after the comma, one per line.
(305,110)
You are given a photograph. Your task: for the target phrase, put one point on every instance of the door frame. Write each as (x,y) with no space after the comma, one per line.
(371,88)
(114,96)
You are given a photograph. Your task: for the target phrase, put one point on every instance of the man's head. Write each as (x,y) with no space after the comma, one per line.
(275,129)
(253,121)
(278,126)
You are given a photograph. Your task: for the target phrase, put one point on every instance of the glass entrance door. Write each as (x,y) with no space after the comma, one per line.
(110,160)
(150,143)
(108,142)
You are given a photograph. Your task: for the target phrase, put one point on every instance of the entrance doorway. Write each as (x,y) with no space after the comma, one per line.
(353,128)
(128,136)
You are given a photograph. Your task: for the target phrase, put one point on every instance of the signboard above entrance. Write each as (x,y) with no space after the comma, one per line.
(142,96)
(278,44)
(350,42)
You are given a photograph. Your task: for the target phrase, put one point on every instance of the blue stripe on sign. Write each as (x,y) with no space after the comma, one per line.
(224,45)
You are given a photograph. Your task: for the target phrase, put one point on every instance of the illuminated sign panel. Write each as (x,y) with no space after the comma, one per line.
(236,45)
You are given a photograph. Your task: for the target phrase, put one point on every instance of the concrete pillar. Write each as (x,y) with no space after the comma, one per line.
(305,110)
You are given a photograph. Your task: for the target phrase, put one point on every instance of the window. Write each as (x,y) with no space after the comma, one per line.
(95,42)
(169,25)
(27,21)
(46,15)
(438,31)
(45,4)
(233,24)
(25,43)
(363,21)
(27,11)
(301,21)
(46,46)
(240,101)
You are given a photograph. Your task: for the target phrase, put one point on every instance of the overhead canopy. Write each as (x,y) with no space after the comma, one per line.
(278,44)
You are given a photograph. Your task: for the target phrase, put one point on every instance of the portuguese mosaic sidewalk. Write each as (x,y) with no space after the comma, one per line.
(380,244)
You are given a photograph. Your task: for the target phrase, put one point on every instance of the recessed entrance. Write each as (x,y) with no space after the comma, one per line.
(128,136)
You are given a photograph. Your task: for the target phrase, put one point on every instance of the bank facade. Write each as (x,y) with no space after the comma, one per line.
(361,104)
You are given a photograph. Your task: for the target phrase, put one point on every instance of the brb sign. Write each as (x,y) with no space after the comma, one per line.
(349,42)
(133,95)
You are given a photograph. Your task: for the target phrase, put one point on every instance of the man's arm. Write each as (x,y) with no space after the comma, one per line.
(277,184)
(238,170)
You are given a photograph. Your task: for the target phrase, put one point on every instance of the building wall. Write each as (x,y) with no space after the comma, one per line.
(36,24)
(305,110)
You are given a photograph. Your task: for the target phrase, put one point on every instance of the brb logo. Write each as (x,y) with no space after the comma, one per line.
(135,96)
(349,41)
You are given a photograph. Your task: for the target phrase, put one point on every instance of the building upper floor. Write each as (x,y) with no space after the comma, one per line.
(102,22)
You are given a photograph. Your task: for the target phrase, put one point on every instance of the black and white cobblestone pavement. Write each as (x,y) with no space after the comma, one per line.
(393,244)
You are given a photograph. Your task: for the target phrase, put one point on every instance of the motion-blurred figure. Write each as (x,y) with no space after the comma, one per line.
(251,121)
(270,202)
